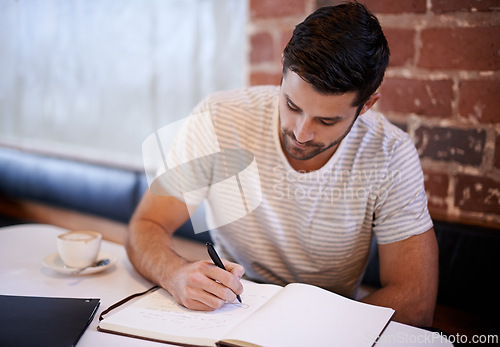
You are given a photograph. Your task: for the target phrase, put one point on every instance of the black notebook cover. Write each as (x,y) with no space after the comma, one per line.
(40,321)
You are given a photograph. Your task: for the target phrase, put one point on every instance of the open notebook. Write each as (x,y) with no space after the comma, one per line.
(270,315)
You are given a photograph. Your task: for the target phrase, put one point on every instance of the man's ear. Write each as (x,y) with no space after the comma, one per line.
(371,101)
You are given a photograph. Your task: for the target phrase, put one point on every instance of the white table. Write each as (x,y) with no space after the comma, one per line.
(23,247)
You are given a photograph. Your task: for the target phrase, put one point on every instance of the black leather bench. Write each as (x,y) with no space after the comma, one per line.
(93,189)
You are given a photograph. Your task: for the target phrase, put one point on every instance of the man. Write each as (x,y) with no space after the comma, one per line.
(333,174)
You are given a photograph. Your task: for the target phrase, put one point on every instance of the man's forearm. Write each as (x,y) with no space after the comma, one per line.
(196,285)
(411,308)
(409,278)
(149,247)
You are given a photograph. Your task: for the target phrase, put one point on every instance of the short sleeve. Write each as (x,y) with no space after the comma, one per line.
(180,157)
(401,208)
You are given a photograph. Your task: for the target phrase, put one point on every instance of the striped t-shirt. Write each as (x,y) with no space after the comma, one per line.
(315,227)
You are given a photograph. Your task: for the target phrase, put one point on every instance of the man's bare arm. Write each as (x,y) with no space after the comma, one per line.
(409,278)
(200,285)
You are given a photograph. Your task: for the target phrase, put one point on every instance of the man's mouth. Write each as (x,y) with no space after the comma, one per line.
(299,144)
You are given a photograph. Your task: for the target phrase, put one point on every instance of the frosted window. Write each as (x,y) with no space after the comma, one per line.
(94,78)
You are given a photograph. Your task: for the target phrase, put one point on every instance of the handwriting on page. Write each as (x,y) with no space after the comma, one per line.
(171,311)
(160,308)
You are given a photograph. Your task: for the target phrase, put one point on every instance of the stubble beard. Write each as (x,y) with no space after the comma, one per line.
(312,150)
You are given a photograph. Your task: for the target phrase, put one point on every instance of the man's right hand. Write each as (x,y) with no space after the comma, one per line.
(200,285)
(203,286)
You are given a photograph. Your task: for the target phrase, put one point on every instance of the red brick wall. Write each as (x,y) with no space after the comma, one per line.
(442,87)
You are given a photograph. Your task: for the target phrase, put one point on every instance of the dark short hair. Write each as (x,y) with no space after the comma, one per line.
(339,49)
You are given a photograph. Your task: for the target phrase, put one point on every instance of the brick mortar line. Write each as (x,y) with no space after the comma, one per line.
(401,20)
(455,98)
(407,72)
(273,23)
(418,73)
(450,198)
(393,21)
(428,6)
(489,152)
(271,67)
(436,121)
(434,20)
(417,46)
(453,168)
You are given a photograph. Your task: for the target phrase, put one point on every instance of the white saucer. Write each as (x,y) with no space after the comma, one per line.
(54,262)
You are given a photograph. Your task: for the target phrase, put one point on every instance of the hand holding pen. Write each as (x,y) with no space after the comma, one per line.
(202,286)
(216,259)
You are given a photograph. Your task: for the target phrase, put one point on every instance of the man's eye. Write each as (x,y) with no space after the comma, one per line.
(291,108)
(327,122)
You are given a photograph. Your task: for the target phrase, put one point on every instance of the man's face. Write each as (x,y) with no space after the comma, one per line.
(312,124)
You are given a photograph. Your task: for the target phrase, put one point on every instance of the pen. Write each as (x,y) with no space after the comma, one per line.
(215,258)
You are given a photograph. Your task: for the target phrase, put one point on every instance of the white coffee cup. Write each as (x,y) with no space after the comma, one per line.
(79,248)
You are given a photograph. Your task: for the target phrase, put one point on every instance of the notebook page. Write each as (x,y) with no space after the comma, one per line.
(304,315)
(159,316)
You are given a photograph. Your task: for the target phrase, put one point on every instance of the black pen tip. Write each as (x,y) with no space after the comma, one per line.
(239,299)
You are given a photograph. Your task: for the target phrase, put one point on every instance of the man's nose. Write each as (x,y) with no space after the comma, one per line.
(303,130)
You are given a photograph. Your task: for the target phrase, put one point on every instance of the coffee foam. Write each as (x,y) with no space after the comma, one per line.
(78,236)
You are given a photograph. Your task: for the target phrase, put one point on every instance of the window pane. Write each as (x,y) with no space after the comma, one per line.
(95,78)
